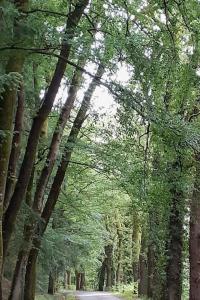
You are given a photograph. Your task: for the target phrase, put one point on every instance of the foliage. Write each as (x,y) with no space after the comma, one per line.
(131,171)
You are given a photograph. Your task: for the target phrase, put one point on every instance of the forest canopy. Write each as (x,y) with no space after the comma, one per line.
(100,148)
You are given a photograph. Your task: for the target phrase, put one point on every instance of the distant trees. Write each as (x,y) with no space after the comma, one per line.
(113,191)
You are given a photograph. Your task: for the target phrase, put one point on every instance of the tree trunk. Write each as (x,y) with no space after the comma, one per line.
(136,245)
(102,274)
(60,174)
(58,179)
(57,135)
(109,262)
(18,281)
(52,283)
(119,251)
(194,240)
(82,281)
(15,151)
(143,267)
(78,280)
(46,171)
(17,288)
(151,271)
(30,277)
(143,276)
(67,280)
(7,109)
(154,246)
(30,153)
(175,243)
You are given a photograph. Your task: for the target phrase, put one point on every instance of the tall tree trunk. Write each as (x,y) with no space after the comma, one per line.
(82,281)
(30,153)
(30,277)
(47,169)
(17,288)
(15,151)
(52,285)
(136,245)
(109,262)
(7,109)
(57,182)
(143,270)
(78,280)
(175,241)
(143,276)
(119,261)
(57,135)
(151,271)
(194,240)
(18,281)
(60,174)
(68,279)
(154,247)
(119,253)
(102,274)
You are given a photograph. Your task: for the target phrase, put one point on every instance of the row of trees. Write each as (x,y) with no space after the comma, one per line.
(136,172)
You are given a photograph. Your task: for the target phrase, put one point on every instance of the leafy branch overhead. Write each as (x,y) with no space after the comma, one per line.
(99,148)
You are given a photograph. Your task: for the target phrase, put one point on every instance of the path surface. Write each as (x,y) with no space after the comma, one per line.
(95,296)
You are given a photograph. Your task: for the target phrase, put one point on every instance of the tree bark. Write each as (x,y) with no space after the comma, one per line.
(102,274)
(143,267)
(119,262)
(30,277)
(17,288)
(109,262)
(143,276)
(15,151)
(194,239)
(60,174)
(175,243)
(154,249)
(30,153)
(57,135)
(82,281)
(136,245)
(68,279)
(119,254)
(52,283)
(18,281)
(57,182)
(78,280)
(46,171)
(151,271)
(7,109)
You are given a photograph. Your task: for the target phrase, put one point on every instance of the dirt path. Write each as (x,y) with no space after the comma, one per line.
(95,296)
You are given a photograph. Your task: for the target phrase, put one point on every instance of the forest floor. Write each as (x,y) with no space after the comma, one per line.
(126,292)
(128,295)
(79,296)
(60,296)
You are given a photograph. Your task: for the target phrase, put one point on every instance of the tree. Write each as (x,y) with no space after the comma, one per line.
(133,168)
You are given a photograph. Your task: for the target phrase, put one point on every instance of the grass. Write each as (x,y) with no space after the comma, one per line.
(126,292)
(44,297)
(128,295)
(56,297)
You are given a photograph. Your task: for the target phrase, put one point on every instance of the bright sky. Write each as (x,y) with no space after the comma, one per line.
(102,99)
